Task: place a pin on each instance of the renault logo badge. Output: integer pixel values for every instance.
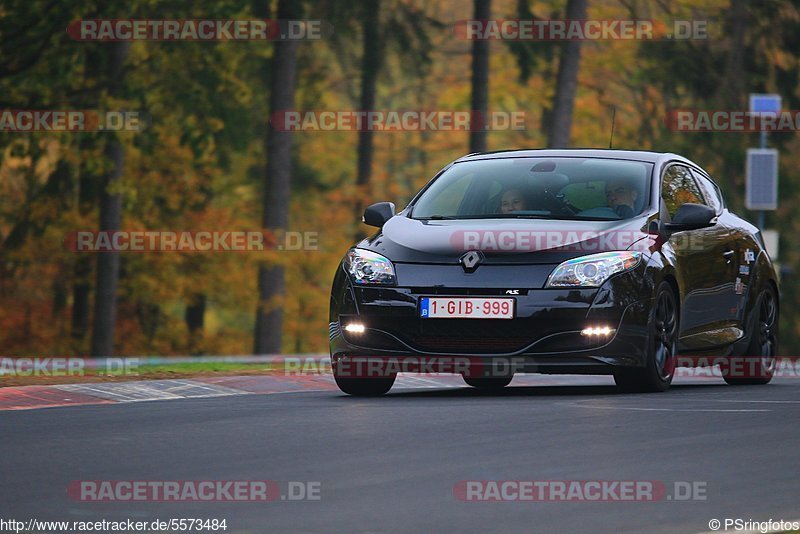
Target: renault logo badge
(471, 260)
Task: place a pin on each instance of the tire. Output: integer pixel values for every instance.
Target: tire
(495, 383)
(760, 359)
(365, 387)
(361, 380)
(659, 368)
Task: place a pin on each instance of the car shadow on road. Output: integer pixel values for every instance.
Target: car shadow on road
(538, 391)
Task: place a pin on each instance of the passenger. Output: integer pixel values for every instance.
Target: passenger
(512, 200)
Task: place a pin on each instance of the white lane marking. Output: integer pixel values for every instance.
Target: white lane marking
(639, 409)
(105, 393)
(714, 398)
(755, 401)
(411, 382)
(144, 391)
(190, 384)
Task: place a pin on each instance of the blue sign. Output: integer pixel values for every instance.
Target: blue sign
(765, 103)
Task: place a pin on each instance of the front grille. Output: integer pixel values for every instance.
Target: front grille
(472, 345)
(464, 291)
(466, 336)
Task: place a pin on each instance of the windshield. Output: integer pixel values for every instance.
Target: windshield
(547, 188)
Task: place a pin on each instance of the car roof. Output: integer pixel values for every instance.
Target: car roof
(631, 155)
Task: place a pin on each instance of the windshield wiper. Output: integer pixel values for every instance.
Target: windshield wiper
(484, 216)
(537, 216)
(515, 216)
(580, 218)
(438, 218)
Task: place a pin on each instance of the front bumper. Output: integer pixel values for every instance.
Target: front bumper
(545, 335)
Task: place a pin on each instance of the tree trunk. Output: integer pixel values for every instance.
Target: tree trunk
(195, 313)
(566, 83)
(107, 276)
(480, 80)
(733, 95)
(81, 292)
(277, 188)
(371, 60)
(732, 90)
(105, 299)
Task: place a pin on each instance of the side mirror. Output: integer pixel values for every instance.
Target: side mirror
(691, 217)
(378, 214)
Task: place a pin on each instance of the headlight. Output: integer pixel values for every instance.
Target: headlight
(592, 271)
(369, 267)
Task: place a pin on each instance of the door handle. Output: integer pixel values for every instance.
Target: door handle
(728, 255)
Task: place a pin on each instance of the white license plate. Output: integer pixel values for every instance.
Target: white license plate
(466, 308)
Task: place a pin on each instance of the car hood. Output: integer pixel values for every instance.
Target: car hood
(504, 241)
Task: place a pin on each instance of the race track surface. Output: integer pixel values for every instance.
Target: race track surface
(394, 464)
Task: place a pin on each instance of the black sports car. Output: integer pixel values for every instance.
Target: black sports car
(556, 261)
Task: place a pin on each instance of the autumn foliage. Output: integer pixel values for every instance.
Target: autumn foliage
(199, 162)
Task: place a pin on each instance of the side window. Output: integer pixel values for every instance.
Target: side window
(678, 188)
(710, 191)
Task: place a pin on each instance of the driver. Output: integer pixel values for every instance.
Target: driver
(621, 197)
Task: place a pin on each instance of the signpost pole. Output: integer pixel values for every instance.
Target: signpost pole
(762, 144)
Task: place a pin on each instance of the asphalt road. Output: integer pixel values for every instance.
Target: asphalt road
(390, 464)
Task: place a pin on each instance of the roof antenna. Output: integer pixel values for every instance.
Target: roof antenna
(613, 118)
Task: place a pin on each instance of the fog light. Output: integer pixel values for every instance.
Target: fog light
(600, 331)
(355, 328)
